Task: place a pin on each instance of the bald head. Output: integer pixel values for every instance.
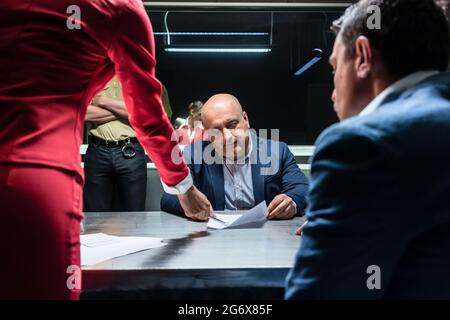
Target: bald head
(220, 107)
(223, 114)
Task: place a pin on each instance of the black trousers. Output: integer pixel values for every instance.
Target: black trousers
(108, 172)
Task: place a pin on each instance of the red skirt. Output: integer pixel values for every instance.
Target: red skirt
(40, 212)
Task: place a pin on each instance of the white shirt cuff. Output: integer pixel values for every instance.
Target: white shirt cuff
(295, 206)
(181, 187)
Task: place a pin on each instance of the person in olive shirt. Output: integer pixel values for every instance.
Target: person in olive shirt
(114, 158)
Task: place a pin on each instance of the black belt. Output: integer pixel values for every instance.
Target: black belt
(112, 143)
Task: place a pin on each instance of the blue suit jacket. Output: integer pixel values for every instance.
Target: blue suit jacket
(286, 177)
(380, 196)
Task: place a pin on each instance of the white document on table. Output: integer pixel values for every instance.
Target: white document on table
(99, 247)
(253, 218)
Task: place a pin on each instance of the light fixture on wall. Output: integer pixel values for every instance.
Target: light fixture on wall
(219, 50)
(253, 34)
(197, 45)
(317, 55)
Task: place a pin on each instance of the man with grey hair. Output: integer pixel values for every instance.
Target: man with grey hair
(379, 216)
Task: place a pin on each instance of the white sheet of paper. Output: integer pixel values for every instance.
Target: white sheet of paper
(253, 218)
(99, 247)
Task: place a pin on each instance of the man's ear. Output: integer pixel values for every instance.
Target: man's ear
(364, 57)
(244, 114)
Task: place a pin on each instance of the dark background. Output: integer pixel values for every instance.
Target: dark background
(300, 107)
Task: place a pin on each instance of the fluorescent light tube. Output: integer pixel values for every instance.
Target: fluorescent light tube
(307, 66)
(220, 50)
(317, 55)
(211, 33)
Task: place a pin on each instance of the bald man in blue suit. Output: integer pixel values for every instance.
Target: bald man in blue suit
(242, 169)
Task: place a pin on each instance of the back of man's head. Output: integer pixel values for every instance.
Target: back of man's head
(414, 34)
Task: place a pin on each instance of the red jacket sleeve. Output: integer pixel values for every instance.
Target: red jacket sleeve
(132, 52)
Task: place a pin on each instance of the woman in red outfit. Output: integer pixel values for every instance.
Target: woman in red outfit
(52, 63)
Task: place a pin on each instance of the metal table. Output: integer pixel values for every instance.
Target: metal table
(194, 257)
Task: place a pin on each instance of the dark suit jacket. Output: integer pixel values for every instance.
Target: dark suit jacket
(380, 196)
(280, 174)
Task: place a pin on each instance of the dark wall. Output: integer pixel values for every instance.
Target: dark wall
(264, 83)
